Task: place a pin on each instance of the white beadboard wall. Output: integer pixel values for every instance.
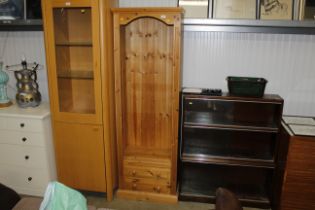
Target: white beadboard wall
(31, 46)
(286, 61)
(148, 3)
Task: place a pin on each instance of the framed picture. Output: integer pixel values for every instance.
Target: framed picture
(196, 8)
(307, 10)
(11, 9)
(237, 9)
(276, 9)
(296, 9)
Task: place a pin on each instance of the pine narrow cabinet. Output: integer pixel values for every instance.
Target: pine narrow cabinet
(78, 51)
(147, 65)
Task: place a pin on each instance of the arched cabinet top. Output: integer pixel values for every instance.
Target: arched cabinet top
(168, 15)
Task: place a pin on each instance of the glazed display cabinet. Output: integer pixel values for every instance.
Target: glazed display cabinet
(78, 85)
(298, 189)
(147, 65)
(74, 39)
(229, 142)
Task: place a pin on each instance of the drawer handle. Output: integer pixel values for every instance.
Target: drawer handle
(22, 125)
(133, 173)
(134, 186)
(26, 157)
(157, 189)
(29, 179)
(24, 139)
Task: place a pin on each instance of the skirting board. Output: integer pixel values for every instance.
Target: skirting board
(147, 196)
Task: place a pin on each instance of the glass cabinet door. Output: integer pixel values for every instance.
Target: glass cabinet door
(74, 59)
(76, 73)
(209, 112)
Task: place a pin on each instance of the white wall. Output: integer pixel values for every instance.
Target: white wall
(286, 61)
(30, 45)
(148, 3)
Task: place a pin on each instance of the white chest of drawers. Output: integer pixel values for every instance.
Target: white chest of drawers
(27, 161)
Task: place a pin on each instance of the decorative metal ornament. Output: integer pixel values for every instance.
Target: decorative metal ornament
(4, 78)
(27, 94)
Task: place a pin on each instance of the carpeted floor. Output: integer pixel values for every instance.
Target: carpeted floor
(99, 201)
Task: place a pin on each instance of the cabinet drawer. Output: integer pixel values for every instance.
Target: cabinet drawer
(22, 178)
(229, 143)
(24, 124)
(231, 112)
(146, 162)
(148, 185)
(22, 156)
(148, 172)
(21, 138)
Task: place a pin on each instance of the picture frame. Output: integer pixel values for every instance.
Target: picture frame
(234, 9)
(276, 9)
(12, 9)
(306, 10)
(196, 8)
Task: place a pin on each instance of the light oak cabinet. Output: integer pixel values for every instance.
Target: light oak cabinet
(79, 63)
(147, 66)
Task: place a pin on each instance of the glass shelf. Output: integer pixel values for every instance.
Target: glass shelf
(231, 113)
(249, 184)
(227, 143)
(76, 43)
(76, 74)
(227, 161)
(250, 26)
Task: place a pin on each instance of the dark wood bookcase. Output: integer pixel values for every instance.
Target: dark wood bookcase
(229, 142)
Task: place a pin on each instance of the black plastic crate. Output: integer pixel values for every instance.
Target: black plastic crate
(246, 86)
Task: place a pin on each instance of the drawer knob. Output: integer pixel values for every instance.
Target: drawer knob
(26, 157)
(22, 125)
(29, 179)
(134, 186)
(157, 189)
(133, 173)
(24, 139)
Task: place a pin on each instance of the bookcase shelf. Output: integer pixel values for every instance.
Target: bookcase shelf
(229, 142)
(218, 160)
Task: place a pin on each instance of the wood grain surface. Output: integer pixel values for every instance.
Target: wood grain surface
(298, 191)
(147, 56)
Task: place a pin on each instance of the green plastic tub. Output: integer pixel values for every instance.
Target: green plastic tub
(246, 86)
